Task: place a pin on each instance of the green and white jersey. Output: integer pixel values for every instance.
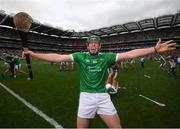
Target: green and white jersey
(162, 60)
(16, 60)
(93, 70)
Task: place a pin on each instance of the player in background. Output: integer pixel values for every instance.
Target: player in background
(112, 84)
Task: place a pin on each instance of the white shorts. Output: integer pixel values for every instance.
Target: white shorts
(92, 103)
(6, 65)
(17, 66)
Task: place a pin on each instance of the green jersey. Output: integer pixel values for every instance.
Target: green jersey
(93, 70)
(162, 60)
(16, 60)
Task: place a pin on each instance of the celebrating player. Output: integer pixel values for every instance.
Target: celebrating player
(93, 74)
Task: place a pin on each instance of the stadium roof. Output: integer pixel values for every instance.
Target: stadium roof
(165, 21)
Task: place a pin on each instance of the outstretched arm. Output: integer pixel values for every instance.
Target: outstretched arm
(160, 47)
(52, 57)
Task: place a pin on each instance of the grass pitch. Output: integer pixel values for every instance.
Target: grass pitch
(56, 94)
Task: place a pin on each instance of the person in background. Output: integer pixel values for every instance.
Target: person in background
(112, 84)
(173, 65)
(178, 61)
(162, 63)
(9, 63)
(142, 61)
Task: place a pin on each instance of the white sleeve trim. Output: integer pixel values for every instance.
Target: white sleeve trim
(72, 57)
(117, 57)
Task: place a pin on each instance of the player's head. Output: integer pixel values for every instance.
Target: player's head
(93, 44)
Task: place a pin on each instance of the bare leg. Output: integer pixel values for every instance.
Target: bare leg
(112, 121)
(82, 122)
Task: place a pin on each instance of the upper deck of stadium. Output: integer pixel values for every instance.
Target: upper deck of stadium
(165, 21)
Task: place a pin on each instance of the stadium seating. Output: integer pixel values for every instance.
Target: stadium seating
(128, 36)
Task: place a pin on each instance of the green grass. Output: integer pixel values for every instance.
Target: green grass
(56, 94)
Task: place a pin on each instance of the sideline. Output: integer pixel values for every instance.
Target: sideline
(33, 108)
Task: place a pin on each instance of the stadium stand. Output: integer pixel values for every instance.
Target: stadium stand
(128, 36)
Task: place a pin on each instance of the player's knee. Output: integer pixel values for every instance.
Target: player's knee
(82, 122)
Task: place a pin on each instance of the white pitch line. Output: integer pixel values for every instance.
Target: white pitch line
(33, 108)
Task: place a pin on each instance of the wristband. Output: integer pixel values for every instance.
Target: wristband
(155, 51)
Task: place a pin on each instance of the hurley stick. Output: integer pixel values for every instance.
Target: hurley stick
(23, 23)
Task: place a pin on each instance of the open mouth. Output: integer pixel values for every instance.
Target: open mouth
(93, 50)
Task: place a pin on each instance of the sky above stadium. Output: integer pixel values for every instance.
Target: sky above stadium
(84, 15)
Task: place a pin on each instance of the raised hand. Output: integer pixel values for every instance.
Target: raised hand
(165, 46)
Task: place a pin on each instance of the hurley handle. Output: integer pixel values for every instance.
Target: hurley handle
(23, 36)
(28, 61)
(23, 23)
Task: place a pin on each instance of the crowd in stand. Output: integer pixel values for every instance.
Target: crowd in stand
(143, 36)
(118, 43)
(114, 43)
